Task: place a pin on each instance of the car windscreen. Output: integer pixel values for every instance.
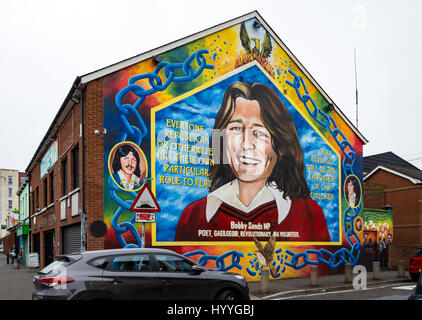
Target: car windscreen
(418, 253)
(56, 266)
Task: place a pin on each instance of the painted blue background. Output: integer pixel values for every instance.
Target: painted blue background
(201, 108)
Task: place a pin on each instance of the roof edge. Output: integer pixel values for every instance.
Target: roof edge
(177, 43)
(44, 141)
(413, 180)
(314, 82)
(164, 48)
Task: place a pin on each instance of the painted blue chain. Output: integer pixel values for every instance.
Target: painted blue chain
(139, 131)
(310, 256)
(334, 260)
(219, 260)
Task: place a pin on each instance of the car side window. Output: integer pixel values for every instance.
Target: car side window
(131, 263)
(170, 263)
(100, 263)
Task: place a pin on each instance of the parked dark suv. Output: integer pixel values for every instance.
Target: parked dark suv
(135, 274)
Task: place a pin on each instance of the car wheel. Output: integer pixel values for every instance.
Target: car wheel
(227, 295)
(414, 276)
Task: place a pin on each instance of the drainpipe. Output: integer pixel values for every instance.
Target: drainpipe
(83, 213)
(29, 212)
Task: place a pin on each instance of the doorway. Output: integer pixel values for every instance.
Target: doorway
(36, 248)
(48, 247)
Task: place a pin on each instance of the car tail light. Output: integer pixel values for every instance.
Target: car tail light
(57, 280)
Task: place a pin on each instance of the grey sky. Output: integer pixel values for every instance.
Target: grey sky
(46, 44)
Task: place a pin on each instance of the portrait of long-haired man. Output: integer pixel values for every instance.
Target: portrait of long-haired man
(258, 178)
(352, 191)
(128, 168)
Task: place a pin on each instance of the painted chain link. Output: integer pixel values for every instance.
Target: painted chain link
(219, 260)
(310, 256)
(334, 260)
(139, 131)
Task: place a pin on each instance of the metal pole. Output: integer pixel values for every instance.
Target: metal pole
(356, 83)
(143, 234)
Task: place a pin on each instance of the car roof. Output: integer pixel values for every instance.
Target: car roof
(123, 251)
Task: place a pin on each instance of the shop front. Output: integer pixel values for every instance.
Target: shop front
(23, 238)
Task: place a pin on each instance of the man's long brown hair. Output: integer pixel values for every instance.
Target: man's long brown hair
(289, 171)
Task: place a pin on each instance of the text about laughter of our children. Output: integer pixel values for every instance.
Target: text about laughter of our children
(322, 175)
(183, 149)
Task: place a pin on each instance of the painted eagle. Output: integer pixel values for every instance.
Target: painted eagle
(264, 51)
(265, 254)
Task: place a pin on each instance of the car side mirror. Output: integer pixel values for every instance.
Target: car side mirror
(197, 269)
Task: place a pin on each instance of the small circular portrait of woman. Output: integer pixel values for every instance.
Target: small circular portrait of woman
(128, 166)
(352, 191)
(359, 224)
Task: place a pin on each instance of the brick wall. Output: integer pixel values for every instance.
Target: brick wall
(9, 243)
(398, 252)
(48, 217)
(94, 160)
(48, 214)
(406, 199)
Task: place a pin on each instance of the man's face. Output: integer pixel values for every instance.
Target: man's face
(128, 163)
(248, 143)
(350, 188)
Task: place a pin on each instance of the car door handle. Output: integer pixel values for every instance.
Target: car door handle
(117, 281)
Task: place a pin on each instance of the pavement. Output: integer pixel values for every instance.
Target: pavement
(15, 284)
(283, 288)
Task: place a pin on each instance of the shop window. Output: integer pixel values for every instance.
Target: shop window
(45, 192)
(75, 166)
(32, 197)
(37, 199)
(64, 177)
(52, 187)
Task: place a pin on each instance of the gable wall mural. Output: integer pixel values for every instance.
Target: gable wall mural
(238, 147)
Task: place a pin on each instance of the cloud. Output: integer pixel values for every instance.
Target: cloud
(308, 138)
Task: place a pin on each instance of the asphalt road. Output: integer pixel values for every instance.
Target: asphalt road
(391, 291)
(15, 284)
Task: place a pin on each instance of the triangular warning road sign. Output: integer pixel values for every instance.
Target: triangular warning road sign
(145, 201)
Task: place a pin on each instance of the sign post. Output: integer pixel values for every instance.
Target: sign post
(145, 206)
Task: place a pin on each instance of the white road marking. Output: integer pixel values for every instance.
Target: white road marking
(334, 292)
(405, 288)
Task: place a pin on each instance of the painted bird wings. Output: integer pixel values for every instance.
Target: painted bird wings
(244, 38)
(267, 252)
(266, 46)
(258, 245)
(269, 249)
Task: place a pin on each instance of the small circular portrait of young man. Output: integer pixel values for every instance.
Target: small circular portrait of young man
(352, 191)
(128, 166)
(359, 224)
